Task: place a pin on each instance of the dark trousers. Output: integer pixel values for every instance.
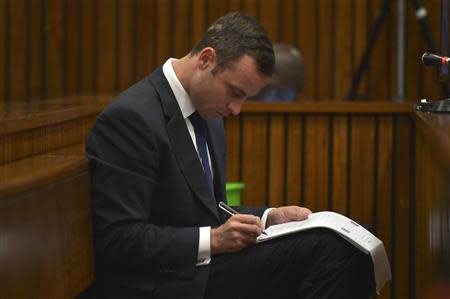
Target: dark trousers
(311, 264)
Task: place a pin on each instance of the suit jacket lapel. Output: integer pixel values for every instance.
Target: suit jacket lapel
(182, 146)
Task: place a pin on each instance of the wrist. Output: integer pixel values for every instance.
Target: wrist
(214, 241)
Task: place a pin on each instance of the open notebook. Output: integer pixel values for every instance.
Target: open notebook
(348, 229)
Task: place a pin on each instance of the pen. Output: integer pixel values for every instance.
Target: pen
(231, 211)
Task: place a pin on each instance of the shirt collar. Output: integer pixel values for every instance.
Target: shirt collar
(183, 99)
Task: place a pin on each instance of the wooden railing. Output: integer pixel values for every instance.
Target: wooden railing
(45, 209)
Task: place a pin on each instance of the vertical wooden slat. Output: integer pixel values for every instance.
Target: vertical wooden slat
(378, 72)
(17, 51)
(384, 189)
(307, 41)
(106, 47)
(181, 34)
(254, 159)
(276, 161)
(362, 170)
(216, 9)
(391, 76)
(403, 137)
(163, 32)
(294, 158)
(234, 5)
(268, 16)
(287, 21)
(54, 47)
(340, 164)
(126, 45)
(88, 45)
(72, 47)
(35, 82)
(360, 40)
(233, 129)
(316, 162)
(342, 75)
(3, 73)
(145, 47)
(324, 58)
(198, 14)
(249, 7)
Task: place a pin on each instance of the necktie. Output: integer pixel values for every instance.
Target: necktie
(199, 124)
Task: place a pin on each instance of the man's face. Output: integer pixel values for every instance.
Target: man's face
(223, 93)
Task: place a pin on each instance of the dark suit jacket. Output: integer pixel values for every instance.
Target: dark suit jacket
(150, 194)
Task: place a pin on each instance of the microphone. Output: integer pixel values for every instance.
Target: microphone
(433, 59)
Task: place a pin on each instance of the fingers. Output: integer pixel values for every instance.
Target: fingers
(300, 213)
(237, 233)
(245, 224)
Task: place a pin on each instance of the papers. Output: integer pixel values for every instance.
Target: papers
(348, 229)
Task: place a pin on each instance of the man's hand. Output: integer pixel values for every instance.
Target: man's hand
(234, 235)
(286, 214)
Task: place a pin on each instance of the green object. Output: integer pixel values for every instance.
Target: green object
(234, 191)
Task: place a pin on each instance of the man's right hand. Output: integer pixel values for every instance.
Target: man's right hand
(238, 232)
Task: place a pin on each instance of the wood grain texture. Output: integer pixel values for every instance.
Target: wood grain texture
(431, 207)
(362, 169)
(316, 162)
(106, 47)
(254, 159)
(46, 236)
(277, 160)
(233, 126)
(126, 38)
(383, 222)
(146, 49)
(64, 47)
(72, 47)
(294, 159)
(17, 71)
(88, 45)
(340, 164)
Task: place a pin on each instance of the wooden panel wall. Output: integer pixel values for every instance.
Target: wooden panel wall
(432, 205)
(51, 48)
(355, 161)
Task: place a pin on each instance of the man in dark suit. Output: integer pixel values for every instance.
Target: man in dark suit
(158, 157)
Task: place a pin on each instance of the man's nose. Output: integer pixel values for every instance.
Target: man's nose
(235, 107)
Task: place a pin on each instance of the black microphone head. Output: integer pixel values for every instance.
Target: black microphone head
(433, 59)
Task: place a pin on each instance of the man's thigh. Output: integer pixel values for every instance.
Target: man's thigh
(311, 264)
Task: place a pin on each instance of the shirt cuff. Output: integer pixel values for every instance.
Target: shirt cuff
(264, 217)
(204, 246)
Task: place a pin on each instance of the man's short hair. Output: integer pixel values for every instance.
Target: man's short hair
(235, 35)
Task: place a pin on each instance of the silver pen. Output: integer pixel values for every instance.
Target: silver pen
(231, 212)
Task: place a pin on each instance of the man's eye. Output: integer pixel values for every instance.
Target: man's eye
(234, 94)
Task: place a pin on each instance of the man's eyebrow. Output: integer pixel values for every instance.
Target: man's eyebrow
(237, 90)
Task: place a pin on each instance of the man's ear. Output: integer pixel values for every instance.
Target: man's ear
(206, 58)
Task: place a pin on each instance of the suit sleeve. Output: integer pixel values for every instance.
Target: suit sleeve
(125, 158)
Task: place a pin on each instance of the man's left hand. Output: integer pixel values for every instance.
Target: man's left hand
(287, 214)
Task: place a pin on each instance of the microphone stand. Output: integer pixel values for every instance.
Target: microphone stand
(363, 65)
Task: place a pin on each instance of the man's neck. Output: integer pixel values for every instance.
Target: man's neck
(183, 70)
